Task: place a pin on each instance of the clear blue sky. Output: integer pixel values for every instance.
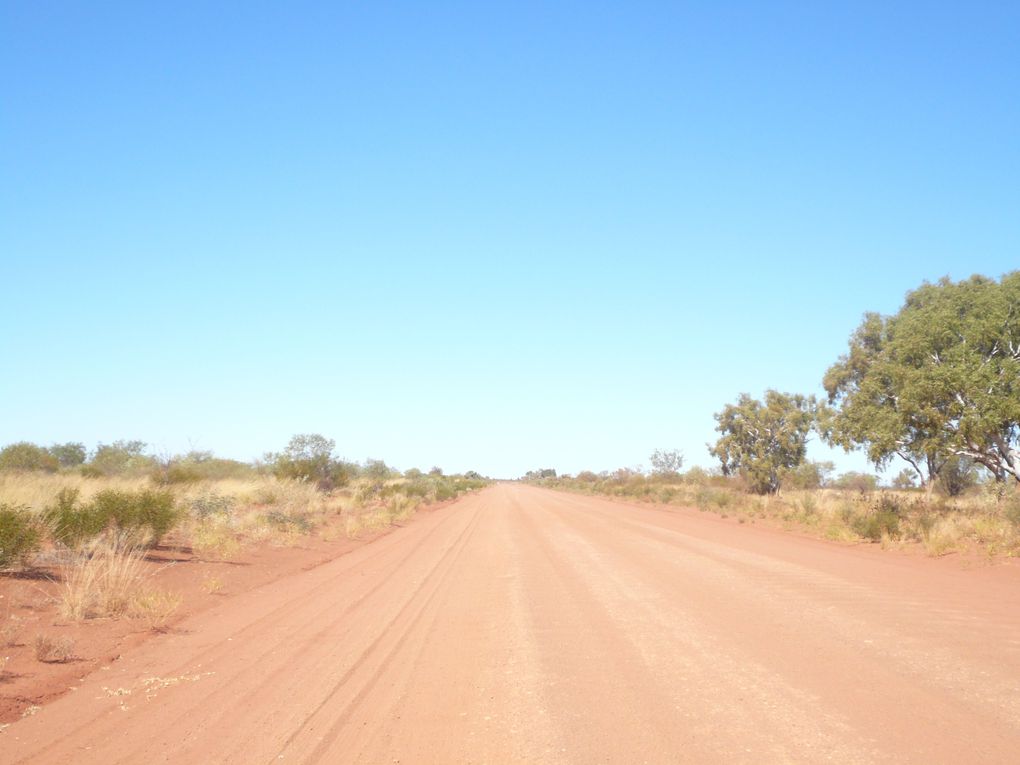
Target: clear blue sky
(483, 236)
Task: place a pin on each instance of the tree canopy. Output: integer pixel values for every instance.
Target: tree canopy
(762, 440)
(939, 379)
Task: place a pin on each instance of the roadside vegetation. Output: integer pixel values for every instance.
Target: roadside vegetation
(933, 390)
(88, 520)
(985, 518)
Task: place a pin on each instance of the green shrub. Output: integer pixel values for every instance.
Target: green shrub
(416, 488)
(121, 457)
(925, 523)
(177, 473)
(69, 455)
(26, 456)
(20, 534)
(703, 499)
(884, 519)
(288, 521)
(1013, 512)
(155, 511)
(444, 491)
(208, 505)
(199, 466)
(74, 524)
(71, 524)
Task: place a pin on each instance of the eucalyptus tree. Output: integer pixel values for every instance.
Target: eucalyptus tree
(762, 440)
(939, 379)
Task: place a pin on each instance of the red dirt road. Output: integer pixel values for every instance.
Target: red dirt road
(523, 625)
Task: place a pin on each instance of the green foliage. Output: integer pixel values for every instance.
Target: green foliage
(20, 535)
(762, 440)
(200, 466)
(854, 481)
(148, 512)
(938, 379)
(1012, 512)
(309, 457)
(121, 457)
(293, 521)
(377, 470)
(155, 511)
(69, 455)
(71, 523)
(539, 475)
(666, 463)
(27, 456)
(957, 475)
(209, 505)
(445, 491)
(697, 476)
(905, 479)
(882, 520)
(809, 475)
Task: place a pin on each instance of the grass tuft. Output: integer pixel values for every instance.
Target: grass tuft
(53, 650)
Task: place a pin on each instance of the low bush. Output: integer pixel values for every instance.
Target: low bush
(883, 519)
(155, 608)
(73, 524)
(20, 535)
(27, 456)
(209, 505)
(292, 521)
(1012, 512)
(147, 514)
(53, 650)
(445, 491)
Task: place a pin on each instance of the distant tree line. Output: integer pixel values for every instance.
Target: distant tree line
(307, 457)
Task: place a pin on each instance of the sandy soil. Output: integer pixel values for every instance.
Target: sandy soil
(28, 608)
(523, 625)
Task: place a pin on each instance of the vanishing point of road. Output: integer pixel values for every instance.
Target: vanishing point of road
(525, 625)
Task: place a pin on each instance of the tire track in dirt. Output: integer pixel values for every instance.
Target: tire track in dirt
(339, 713)
(784, 614)
(523, 625)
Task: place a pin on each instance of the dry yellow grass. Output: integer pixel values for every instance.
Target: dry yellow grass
(10, 629)
(38, 490)
(987, 519)
(155, 608)
(102, 582)
(53, 650)
(213, 585)
(222, 516)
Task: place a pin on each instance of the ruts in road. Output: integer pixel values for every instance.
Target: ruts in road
(525, 625)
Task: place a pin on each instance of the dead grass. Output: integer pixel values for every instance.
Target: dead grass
(213, 585)
(987, 520)
(53, 650)
(155, 608)
(9, 632)
(102, 582)
(215, 538)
